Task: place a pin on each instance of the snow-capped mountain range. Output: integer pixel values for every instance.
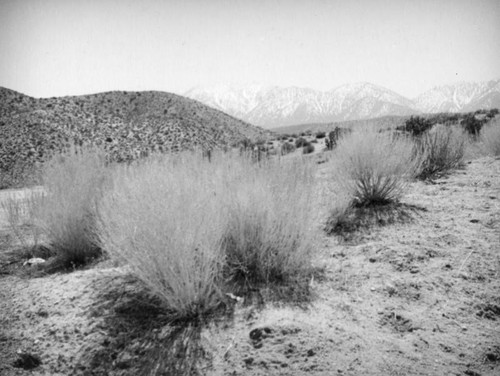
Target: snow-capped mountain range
(272, 106)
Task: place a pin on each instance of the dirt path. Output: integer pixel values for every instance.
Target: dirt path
(421, 298)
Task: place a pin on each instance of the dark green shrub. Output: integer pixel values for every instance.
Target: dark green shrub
(300, 142)
(472, 124)
(335, 135)
(320, 135)
(287, 148)
(440, 151)
(308, 148)
(416, 125)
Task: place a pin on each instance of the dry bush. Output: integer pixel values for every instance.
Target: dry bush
(164, 217)
(270, 230)
(74, 183)
(22, 213)
(440, 150)
(374, 168)
(371, 171)
(490, 138)
(184, 224)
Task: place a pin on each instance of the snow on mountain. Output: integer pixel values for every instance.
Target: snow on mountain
(234, 100)
(464, 96)
(364, 100)
(277, 106)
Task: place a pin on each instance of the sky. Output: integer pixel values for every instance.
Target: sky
(65, 47)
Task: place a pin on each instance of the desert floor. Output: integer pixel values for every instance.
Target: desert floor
(414, 298)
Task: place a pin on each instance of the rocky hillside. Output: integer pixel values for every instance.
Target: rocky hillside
(127, 124)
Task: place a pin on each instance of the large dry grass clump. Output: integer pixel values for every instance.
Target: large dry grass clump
(370, 170)
(186, 225)
(440, 150)
(60, 216)
(22, 216)
(374, 168)
(164, 218)
(270, 228)
(74, 183)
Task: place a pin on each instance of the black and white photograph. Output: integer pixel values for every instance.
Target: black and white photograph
(249, 187)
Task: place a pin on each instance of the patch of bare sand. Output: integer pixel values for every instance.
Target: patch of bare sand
(420, 298)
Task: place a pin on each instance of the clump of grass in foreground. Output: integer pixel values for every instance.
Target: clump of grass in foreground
(374, 168)
(185, 225)
(371, 169)
(22, 215)
(440, 150)
(165, 218)
(270, 231)
(490, 138)
(74, 182)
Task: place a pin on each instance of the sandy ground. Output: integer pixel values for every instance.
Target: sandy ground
(416, 298)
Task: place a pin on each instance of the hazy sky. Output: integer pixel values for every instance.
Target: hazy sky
(65, 47)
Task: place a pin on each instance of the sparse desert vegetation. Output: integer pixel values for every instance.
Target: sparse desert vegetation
(490, 138)
(183, 242)
(372, 171)
(165, 219)
(440, 150)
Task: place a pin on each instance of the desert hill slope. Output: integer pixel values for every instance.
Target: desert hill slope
(127, 124)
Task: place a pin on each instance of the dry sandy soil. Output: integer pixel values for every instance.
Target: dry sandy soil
(414, 298)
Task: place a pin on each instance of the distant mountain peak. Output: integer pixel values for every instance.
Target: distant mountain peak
(274, 106)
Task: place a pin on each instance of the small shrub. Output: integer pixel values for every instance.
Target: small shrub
(472, 125)
(270, 228)
(440, 151)
(300, 142)
(334, 137)
(490, 138)
(287, 148)
(165, 219)
(74, 182)
(22, 213)
(374, 168)
(320, 134)
(308, 148)
(416, 125)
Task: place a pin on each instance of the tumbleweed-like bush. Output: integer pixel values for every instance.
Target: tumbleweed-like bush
(187, 225)
(374, 168)
(440, 150)
(490, 138)
(370, 173)
(164, 218)
(73, 183)
(270, 230)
